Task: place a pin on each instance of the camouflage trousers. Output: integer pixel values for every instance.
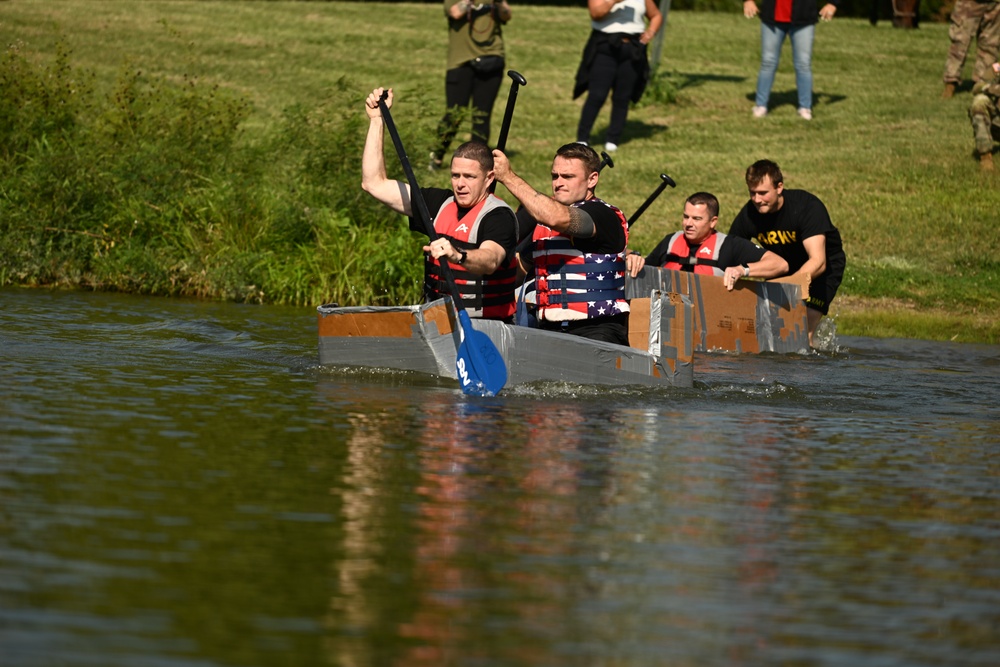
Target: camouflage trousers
(984, 113)
(972, 19)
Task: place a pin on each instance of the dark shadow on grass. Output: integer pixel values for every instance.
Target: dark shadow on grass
(683, 80)
(791, 98)
(634, 131)
(964, 86)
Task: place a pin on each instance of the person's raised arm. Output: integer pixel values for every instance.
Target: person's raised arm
(567, 220)
(394, 194)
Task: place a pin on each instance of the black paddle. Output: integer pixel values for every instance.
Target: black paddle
(481, 370)
(665, 181)
(516, 82)
(605, 161)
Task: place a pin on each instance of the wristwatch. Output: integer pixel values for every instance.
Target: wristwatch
(462, 257)
(746, 270)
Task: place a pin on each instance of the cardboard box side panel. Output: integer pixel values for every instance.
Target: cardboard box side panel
(726, 320)
(677, 344)
(757, 316)
(638, 324)
(676, 327)
(398, 324)
(440, 314)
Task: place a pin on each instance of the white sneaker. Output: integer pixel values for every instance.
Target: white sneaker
(806, 113)
(581, 142)
(610, 147)
(759, 112)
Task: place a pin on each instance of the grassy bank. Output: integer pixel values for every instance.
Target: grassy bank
(213, 148)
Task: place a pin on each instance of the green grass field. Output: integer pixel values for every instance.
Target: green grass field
(892, 161)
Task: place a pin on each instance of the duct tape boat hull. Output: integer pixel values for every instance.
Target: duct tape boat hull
(425, 338)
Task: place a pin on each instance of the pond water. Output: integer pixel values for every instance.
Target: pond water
(182, 485)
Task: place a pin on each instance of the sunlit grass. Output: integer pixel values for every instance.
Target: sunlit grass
(891, 160)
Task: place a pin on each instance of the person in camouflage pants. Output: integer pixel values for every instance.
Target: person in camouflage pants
(972, 18)
(984, 112)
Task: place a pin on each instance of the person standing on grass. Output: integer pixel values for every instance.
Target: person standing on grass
(476, 61)
(578, 247)
(700, 249)
(615, 61)
(795, 19)
(795, 225)
(984, 112)
(971, 18)
(477, 231)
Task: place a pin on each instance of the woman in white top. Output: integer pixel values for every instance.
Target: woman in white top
(615, 60)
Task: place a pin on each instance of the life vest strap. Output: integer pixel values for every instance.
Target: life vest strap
(564, 298)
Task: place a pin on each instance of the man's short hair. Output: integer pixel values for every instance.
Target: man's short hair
(710, 201)
(761, 168)
(577, 151)
(478, 151)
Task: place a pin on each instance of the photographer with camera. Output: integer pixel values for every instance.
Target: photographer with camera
(476, 62)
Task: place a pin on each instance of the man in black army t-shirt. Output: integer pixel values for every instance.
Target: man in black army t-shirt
(795, 225)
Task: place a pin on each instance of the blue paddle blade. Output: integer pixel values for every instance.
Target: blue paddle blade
(480, 367)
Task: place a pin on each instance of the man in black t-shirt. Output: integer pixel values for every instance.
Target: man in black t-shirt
(578, 245)
(477, 232)
(795, 225)
(701, 249)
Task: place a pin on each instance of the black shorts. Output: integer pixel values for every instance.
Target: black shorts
(823, 289)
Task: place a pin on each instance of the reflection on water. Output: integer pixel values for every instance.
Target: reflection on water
(180, 484)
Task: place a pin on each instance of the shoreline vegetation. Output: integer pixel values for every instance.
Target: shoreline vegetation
(212, 149)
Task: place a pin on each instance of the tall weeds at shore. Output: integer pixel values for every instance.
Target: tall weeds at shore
(152, 189)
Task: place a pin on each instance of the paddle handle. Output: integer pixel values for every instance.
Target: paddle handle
(606, 161)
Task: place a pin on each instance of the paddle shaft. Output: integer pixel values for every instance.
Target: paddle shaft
(664, 182)
(417, 199)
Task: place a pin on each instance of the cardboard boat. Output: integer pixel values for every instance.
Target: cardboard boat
(673, 315)
(425, 339)
(757, 316)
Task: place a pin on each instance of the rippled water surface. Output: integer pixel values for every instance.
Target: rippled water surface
(182, 485)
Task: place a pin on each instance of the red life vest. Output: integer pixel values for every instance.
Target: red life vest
(706, 259)
(574, 285)
(490, 297)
